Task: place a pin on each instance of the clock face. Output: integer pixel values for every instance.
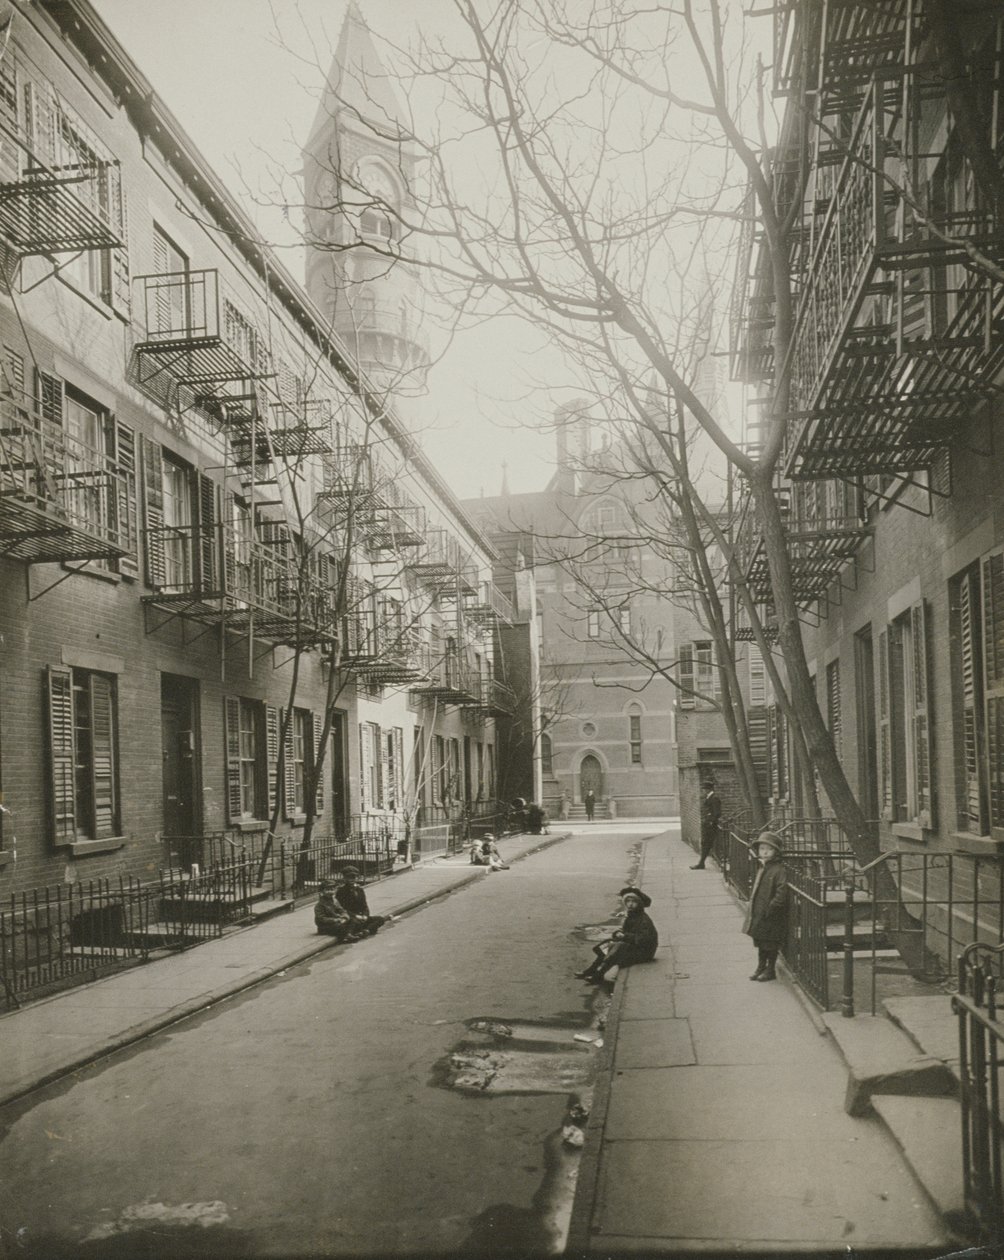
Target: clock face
(376, 180)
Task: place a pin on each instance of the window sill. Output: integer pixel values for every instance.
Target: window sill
(84, 848)
(5, 856)
(252, 824)
(909, 831)
(978, 846)
(297, 820)
(89, 570)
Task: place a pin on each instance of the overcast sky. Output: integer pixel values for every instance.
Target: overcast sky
(247, 96)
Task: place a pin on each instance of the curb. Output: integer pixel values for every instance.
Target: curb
(192, 1006)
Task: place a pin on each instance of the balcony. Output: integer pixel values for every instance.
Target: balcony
(825, 525)
(895, 342)
(395, 656)
(489, 606)
(440, 562)
(493, 697)
(60, 189)
(59, 498)
(222, 576)
(448, 678)
(196, 334)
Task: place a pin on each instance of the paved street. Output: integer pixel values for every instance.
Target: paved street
(314, 1114)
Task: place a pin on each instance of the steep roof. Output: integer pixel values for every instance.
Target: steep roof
(359, 85)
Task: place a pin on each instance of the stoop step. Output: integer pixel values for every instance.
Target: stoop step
(931, 1025)
(269, 906)
(881, 1059)
(928, 1131)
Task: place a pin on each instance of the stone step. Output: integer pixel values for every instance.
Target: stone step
(928, 1131)
(881, 1059)
(265, 907)
(930, 1024)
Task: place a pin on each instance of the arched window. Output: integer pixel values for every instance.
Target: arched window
(634, 732)
(376, 223)
(545, 755)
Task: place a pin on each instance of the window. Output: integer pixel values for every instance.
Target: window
(546, 766)
(83, 754)
(177, 491)
(905, 788)
(252, 758)
(376, 223)
(593, 623)
(370, 765)
(623, 619)
(708, 680)
(634, 734)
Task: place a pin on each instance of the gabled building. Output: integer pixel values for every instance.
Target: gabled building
(203, 490)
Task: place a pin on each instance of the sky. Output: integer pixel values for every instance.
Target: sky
(241, 77)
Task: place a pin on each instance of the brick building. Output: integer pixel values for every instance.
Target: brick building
(893, 484)
(201, 491)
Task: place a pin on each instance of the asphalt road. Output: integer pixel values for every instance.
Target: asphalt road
(404, 1094)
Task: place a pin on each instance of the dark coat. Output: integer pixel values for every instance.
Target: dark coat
(768, 911)
(640, 938)
(711, 810)
(329, 917)
(352, 899)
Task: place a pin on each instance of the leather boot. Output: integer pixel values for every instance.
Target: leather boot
(769, 972)
(761, 965)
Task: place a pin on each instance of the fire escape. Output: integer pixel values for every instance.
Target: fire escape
(896, 338)
(490, 609)
(243, 568)
(64, 496)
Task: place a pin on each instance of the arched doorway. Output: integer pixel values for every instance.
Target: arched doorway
(590, 776)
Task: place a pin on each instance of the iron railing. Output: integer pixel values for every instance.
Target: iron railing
(981, 1034)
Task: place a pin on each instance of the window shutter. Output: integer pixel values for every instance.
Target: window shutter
(288, 767)
(398, 801)
(118, 290)
(756, 725)
(273, 719)
(922, 729)
(775, 781)
(970, 804)
(318, 766)
(364, 766)
(757, 676)
(103, 785)
(40, 124)
(153, 512)
(62, 758)
(49, 396)
(232, 744)
(125, 452)
(685, 672)
(833, 703)
(885, 728)
(206, 553)
(993, 689)
(384, 784)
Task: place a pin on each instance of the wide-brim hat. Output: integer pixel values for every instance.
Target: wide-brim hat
(644, 898)
(770, 838)
(350, 870)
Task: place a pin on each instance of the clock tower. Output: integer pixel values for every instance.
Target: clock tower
(359, 173)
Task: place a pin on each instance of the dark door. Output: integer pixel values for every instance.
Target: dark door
(339, 790)
(178, 747)
(864, 697)
(590, 776)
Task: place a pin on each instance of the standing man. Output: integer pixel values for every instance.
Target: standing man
(711, 812)
(589, 800)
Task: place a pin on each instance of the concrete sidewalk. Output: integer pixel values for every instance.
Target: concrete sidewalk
(719, 1123)
(53, 1037)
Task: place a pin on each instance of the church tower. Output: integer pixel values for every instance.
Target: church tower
(359, 175)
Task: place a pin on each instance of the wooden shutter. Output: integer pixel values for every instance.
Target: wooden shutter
(117, 293)
(921, 716)
(206, 552)
(289, 766)
(10, 122)
(993, 686)
(62, 754)
(884, 728)
(756, 725)
(232, 747)
(125, 507)
(365, 762)
(103, 778)
(317, 766)
(273, 720)
(153, 512)
(49, 396)
(384, 786)
(833, 703)
(685, 672)
(757, 677)
(971, 808)
(40, 123)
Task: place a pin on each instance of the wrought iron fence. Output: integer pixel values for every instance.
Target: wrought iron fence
(71, 933)
(981, 1034)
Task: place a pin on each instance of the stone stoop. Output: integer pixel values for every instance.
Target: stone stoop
(928, 1132)
(902, 1067)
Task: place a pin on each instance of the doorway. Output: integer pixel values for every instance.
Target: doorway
(182, 807)
(590, 777)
